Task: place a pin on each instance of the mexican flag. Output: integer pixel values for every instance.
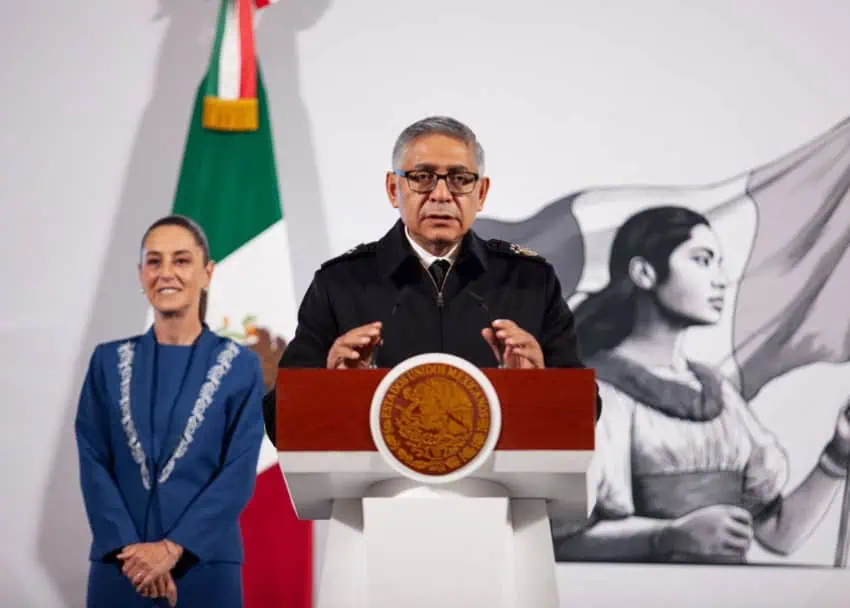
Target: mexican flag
(228, 184)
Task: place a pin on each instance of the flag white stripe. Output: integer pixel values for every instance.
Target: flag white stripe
(238, 291)
(229, 68)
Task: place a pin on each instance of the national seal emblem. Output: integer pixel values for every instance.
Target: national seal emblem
(433, 417)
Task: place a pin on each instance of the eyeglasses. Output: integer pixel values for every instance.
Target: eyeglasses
(424, 180)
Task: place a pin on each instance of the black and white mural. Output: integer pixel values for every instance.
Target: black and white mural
(714, 316)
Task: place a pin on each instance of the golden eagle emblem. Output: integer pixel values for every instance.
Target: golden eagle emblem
(435, 418)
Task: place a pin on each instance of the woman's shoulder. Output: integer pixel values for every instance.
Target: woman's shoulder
(616, 399)
(239, 358)
(239, 353)
(725, 383)
(115, 349)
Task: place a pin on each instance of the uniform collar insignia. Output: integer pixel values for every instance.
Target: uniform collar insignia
(520, 250)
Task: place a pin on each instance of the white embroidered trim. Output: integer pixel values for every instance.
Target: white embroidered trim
(125, 371)
(208, 391)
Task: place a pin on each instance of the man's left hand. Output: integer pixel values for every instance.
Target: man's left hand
(269, 350)
(519, 349)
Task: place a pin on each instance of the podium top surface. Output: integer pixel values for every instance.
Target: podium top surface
(322, 410)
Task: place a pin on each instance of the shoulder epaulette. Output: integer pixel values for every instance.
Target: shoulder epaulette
(512, 249)
(358, 251)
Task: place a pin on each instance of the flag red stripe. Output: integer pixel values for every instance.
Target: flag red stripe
(248, 81)
(278, 569)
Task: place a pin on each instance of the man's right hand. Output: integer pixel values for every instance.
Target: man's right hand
(354, 349)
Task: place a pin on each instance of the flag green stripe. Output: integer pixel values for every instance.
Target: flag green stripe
(215, 57)
(228, 181)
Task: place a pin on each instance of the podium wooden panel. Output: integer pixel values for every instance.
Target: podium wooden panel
(482, 540)
(328, 410)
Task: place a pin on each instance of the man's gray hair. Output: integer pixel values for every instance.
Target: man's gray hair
(437, 125)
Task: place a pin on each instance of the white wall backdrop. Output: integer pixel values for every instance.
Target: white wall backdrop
(563, 95)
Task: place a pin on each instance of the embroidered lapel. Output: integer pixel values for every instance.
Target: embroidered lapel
(191, 406)
(131, 388)
(136, 372)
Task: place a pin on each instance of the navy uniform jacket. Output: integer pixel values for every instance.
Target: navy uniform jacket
(385, 281)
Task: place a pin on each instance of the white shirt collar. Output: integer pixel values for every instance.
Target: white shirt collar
(428, 258)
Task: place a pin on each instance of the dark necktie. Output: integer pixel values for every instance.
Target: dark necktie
(438, 270)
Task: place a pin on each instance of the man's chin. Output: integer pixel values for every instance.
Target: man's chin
(442, 235)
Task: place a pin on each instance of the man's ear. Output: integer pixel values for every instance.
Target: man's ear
(483, 189)
(391, 184)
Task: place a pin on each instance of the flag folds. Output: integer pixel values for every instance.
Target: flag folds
(785, 227)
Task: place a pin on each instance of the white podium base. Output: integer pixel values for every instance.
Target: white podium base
(462, 545)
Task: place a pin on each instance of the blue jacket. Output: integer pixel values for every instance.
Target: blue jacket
(181, 468)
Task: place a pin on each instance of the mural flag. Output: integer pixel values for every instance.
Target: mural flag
(786, 225)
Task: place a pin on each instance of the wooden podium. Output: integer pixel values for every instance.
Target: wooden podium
(402, 538)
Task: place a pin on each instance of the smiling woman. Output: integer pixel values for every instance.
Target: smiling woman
(175, 269)
(168, 429)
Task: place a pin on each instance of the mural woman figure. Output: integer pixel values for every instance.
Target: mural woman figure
(168, 429)
(686, 473)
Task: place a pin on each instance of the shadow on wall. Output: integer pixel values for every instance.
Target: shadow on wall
(119, 309)
(298, 172)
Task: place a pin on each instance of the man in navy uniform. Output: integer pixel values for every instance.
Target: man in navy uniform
(431, 284)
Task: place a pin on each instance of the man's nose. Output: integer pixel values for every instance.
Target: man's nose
(441, 191)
